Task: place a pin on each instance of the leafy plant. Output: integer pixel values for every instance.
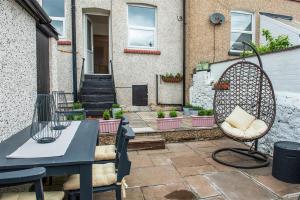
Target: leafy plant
(160, 114)
(273, 44)
(119, 114)
(188, 105)
(197, 108)
(75, 117)
(77, 105)
(205, 112)
(116, 106)
(210, 112)
(106, 115)
(173, 113)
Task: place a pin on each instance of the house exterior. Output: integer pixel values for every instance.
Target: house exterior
(133, 40)
(243, 21)
(25, 69)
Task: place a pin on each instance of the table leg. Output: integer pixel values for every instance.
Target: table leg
(86, 182)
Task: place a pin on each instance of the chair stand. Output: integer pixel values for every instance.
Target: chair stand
(259, 157)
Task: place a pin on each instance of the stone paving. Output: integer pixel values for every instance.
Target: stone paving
(187, 171)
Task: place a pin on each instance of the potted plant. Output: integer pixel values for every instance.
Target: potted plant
(170, 78)
(204, 118)
(186, 109)
(221, 85)
(114, 109)
(202, 66)
(171, 122)
(195, 109)
(108, 125)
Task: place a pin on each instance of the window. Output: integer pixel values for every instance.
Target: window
(56, 10)
(242, 29)
(141, 26)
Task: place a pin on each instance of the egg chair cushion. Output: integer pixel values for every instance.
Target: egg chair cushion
(230, 130)
(240, 119)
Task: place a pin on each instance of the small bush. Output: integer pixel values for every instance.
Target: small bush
(198, 108)
(160, 114)
(119, 114)
(188, 106)
(202, 112)
(106, 115)
(77, 105)
(173, 114)
(210, 112)
(116, 106)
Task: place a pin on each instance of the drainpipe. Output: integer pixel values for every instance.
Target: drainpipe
(184, 51)
(74, 56)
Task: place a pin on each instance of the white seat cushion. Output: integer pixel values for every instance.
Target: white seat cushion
(256, 128)
(31, 196)
(105, 152)
(240, 119)
(103, 174)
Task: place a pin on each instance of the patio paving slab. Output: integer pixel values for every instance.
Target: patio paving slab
(237, 186)
(201, 144)
(172, 191)
(191, 171)
(138, 161)
(188, 161)
(201, 186)
(178, 147)
(157, 175)
(131, 194)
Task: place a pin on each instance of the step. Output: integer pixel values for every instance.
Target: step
(97, 98)
(97, 77)
(94, 91)
(94, 113)
(97, 84)
(97, 105)
(147, 143)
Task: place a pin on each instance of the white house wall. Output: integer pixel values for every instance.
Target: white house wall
(284, 72)
(18, 71)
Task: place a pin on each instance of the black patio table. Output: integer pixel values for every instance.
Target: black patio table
(77, 160)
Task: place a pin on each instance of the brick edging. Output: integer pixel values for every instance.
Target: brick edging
(64, 42)
(142, 51)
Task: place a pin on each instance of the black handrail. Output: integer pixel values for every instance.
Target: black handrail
(81, 75)
(113, 81)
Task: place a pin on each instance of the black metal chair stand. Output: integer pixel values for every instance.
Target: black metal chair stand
(250, 88)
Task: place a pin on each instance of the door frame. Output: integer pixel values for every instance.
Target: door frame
(85, 18)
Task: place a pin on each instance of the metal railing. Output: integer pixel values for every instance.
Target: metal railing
(81, 76)
(113, 81)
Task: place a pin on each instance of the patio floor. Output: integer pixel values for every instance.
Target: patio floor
(187, 171)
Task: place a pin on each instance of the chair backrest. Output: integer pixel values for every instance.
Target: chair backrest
(123, 122)
(33, 175)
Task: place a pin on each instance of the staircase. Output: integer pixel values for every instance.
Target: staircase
(97, 94)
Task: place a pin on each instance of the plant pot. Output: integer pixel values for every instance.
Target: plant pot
(186, 111)
(114, 111)
(193, 112)
(169, 123)
(109, 126)
(203, 121)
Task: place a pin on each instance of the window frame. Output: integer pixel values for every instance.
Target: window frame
(143, 28)
(61, 19)
(252, 32)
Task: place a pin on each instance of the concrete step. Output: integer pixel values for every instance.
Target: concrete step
(96, 91)
(97, 98)
(147, 143)
(97, 105)
(97, 77)
(98, 83)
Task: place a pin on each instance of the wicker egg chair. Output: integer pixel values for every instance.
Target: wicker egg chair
(251, 89)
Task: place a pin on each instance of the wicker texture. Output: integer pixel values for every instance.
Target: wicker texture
(251, 89)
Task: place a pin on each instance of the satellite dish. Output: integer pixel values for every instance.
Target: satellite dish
(217, 18)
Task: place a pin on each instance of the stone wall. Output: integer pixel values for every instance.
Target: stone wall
(17, 68)
(283, 70)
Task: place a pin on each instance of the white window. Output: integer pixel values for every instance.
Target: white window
(242, 29)
(56, 10)
(141, 27)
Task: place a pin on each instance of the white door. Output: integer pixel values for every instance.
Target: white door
(89, 46)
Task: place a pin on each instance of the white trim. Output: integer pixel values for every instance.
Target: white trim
(154, 29)
(252, 32)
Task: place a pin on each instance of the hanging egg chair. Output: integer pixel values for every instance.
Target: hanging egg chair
(245, 110)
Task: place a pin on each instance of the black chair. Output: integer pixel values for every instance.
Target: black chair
(109, 176)
(33, 175)
(107, 153)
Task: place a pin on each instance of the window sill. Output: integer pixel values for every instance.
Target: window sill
(142, 51)
(64, 42)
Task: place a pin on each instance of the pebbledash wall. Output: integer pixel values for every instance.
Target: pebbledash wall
(129, 69)
(284, 72)
(17, 68)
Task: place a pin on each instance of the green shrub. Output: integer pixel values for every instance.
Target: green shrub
(116, 106)
(188, 105)
(77, 105)
(173, 113)
(202, 112)
(119, 114)
(198, 108)
(75, 117)
(160, 114)
(106, 115)
(273, 44)
(210, 112)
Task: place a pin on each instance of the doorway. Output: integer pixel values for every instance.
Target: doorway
(97, 44)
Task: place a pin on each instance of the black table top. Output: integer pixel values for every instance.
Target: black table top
(288, 145)
(80, 151)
